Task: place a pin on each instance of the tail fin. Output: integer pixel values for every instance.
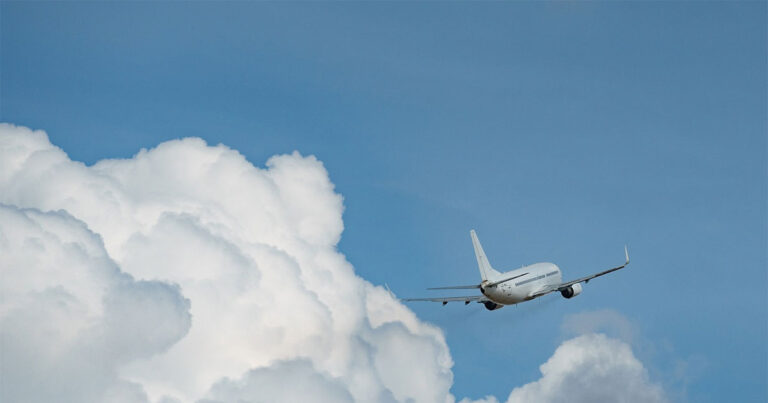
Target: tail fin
(483, 264)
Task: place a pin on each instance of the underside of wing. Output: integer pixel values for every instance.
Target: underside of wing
(545, 291)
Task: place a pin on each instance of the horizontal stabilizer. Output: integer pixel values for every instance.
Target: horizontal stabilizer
(495, 283)
(456, 287)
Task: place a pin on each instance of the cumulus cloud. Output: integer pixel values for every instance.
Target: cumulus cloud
(310, 386)
(186, 273)
(591, 368)
(69, 318)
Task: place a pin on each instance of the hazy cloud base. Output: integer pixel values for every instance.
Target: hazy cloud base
(187, 274)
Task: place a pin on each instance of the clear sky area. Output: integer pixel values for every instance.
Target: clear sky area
(559, 131)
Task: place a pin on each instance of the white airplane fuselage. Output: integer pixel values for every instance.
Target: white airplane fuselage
(540, 275)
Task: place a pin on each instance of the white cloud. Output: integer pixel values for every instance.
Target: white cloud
(69, 318)
(253, 250)
(591, 368)
(186, 273)
(258, 385)
(487, 399)
(605, 321)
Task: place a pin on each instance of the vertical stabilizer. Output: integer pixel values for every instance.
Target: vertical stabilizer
(486, 271)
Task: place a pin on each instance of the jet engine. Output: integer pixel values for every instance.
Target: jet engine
(490, 305)
(571, 291)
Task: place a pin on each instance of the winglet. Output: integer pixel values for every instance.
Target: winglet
(626, 254)
(391, 294)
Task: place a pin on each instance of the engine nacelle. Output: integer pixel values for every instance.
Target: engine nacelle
(571, 291)
(490, 305)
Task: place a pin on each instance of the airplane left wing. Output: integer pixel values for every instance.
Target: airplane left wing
(445, 300)
(562, 286)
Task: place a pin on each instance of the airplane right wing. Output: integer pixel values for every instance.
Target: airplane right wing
(562, 286)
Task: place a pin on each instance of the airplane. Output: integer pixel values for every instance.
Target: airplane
(515, 286)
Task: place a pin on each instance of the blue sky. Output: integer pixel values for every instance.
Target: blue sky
(559, 131)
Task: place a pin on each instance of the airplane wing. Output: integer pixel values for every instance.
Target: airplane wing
(562, 286)
(445, 300)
